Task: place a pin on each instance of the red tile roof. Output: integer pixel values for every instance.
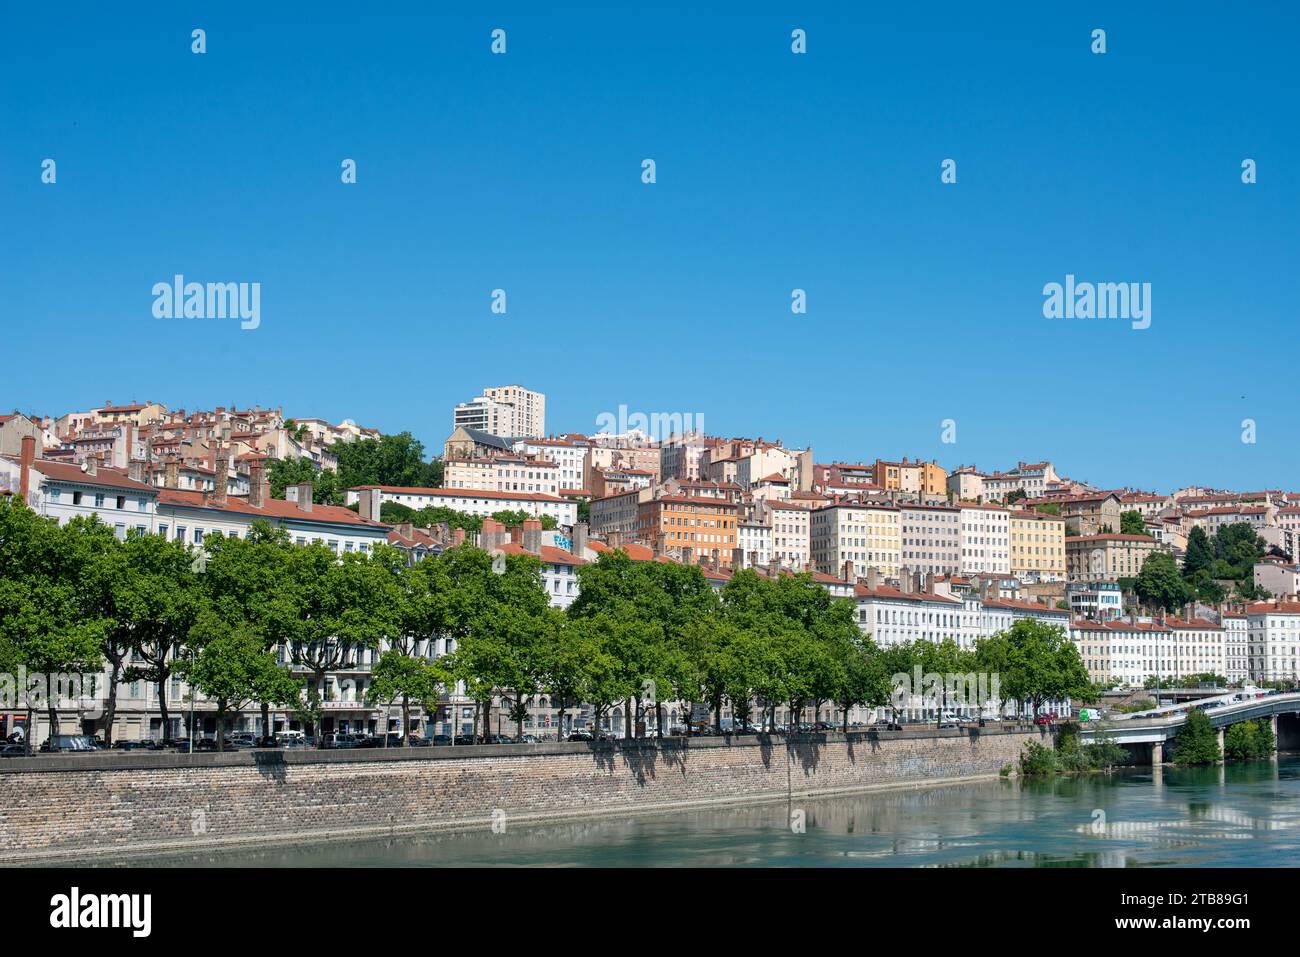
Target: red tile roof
(273, 508)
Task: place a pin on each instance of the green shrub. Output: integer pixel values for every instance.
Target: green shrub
(1249, 739)
(1037, 759)
(1196, 741)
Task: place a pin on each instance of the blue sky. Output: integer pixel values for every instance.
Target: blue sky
(775, 171)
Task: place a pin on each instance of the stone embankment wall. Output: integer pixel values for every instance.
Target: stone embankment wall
(92, 805)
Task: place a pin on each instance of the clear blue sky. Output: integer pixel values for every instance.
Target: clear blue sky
(775, 171)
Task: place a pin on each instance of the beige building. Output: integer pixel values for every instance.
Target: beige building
(1037, 547)
(869, 536)
(1110, 557)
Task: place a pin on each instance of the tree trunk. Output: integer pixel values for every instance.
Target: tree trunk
(266, 719)
(162, 708)
(627, 718)
(221, 725)
(406, 724)
(110, 712)
(559, 730)
(52, 707)
(659, 719)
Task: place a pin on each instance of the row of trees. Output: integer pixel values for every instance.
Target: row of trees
(264, 621)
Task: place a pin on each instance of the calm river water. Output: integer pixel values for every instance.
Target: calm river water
(1240, 814)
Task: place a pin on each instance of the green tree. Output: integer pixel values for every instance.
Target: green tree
(1159, 585)
(232, 668)
(400, 677)
(1132, 523)
(1200, 554)
(1196, 741)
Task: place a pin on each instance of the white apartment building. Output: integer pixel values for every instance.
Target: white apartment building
(869, 536)
(931, 538)
(62, 491)
(505, 474)
(1200, 647)
(507, 411)
(1125, 651)
(754, 540)
(481, 502)
(791, 542)
(1236, 646)
(985, 539)
(570, 458)
(1273, 640)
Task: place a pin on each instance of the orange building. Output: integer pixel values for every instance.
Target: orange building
(689, 529)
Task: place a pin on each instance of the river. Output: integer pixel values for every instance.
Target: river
(1235, 815)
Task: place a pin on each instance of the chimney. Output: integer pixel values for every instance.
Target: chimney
(458, 536)
(257, 490)
(304, 496)
(848, 570)
(580, 532)
(135, 470)
(371, 501)
(222, 477)
(28, 456)
(517, 535)
(492, 535)
(614, 539)
(91, 464)
(172, 473)
(533, 536)
(873, 577)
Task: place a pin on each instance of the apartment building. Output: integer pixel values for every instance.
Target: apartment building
(1273, 640)
(505, 411)
(1037, 543)
(1236, 642)
(1033, 479)
(1110, 557)
(931, 538)
(689, 529)
(867, 535)
(791, 539)
(471, 501)
(985, 539)
(569, 456)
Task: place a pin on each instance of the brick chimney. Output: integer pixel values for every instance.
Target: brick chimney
(27, 457)
(532, 536)
(848, 570)
(91, 465)
(517, 535)
(873, 577)
(172, 473)
(257, 490)
(135, 470)
(458, 536)
(304, 496)
(492, 535)
(221, 478)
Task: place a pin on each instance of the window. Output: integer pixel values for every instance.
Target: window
(198, 536)
(181, 531)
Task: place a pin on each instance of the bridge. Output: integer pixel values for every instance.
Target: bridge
(1148, 733)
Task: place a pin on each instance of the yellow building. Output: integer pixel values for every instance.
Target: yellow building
(1037, 546)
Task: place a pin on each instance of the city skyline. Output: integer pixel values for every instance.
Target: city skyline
(775, 172)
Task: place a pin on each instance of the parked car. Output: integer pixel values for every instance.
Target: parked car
(419, 741)
(245, 739)
(69, 742)
(441, 740)
(340, 740)
(13, 751)
(581, 736)
(132, 746)
(887, 726)
(462, 739)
